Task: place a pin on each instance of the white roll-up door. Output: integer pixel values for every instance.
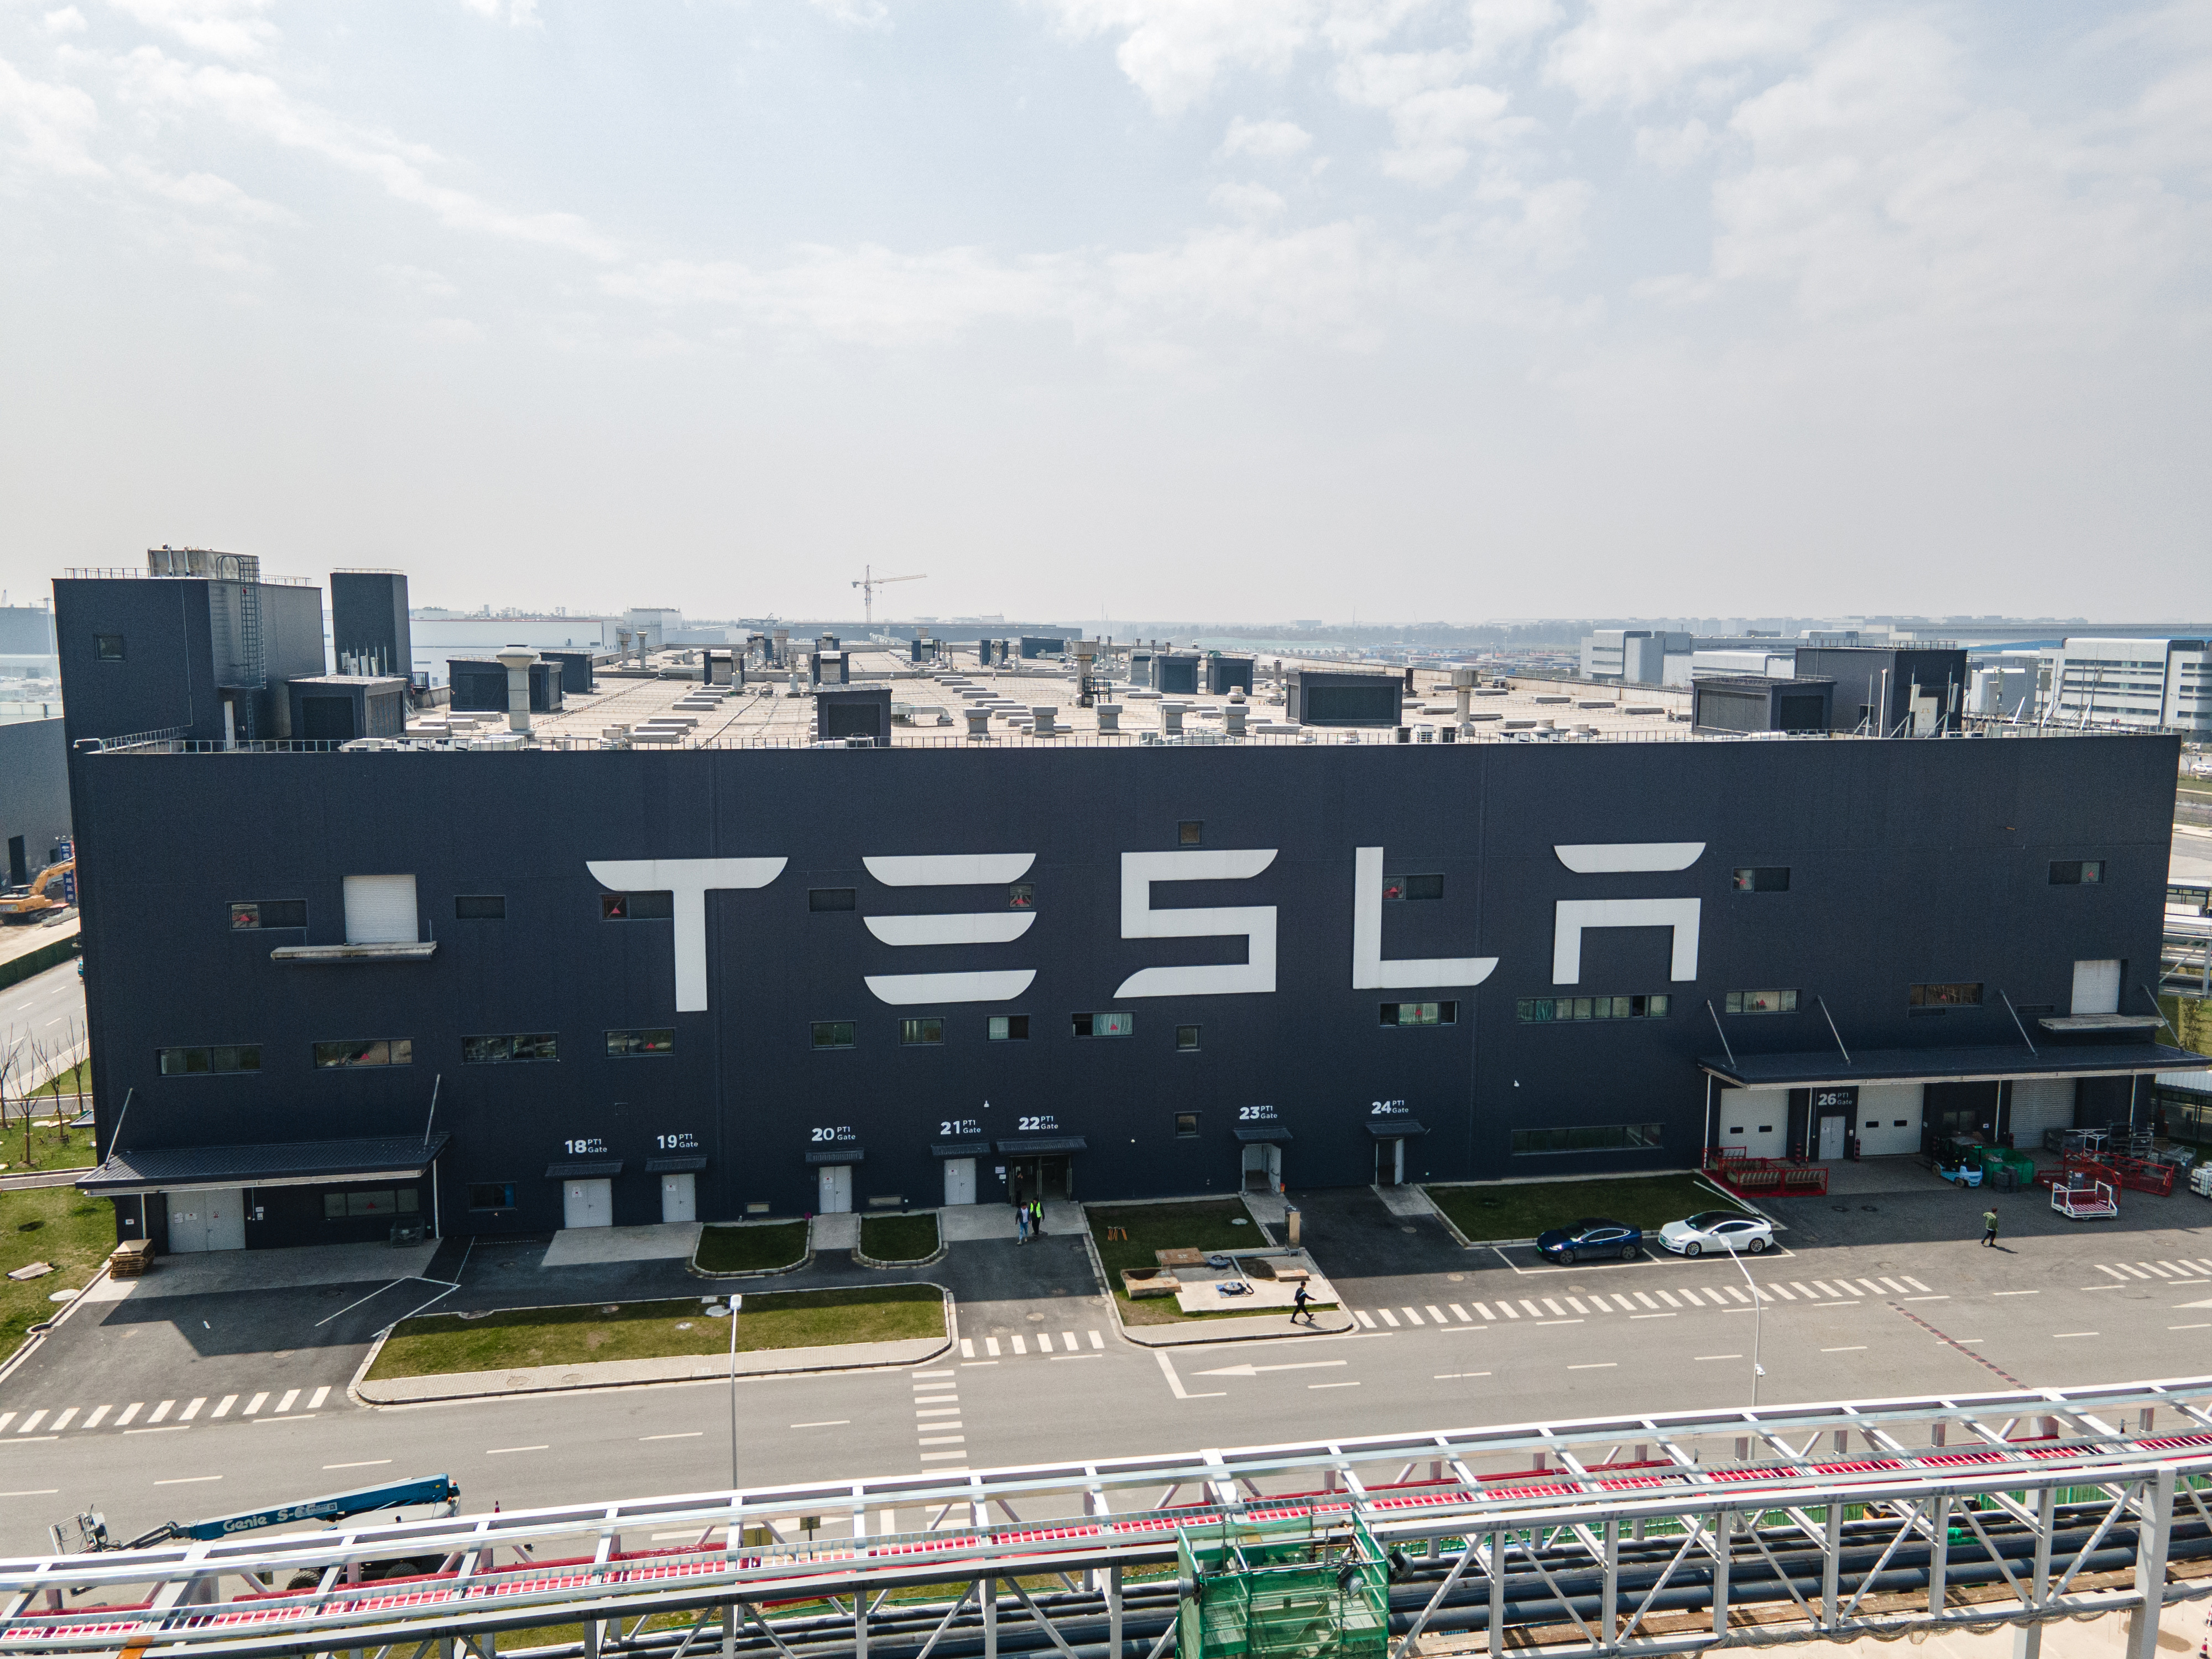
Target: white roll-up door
(380, 911)
(1757, 1120)
(1889, 1120)
(2097, 987)
(2040, 1103)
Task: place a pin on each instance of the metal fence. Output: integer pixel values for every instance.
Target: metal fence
(1656, 1534)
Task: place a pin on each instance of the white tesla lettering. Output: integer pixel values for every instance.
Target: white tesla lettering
(1256, 923)
(689, 880)
(1571, 917)
(1369, 970)
(967, 927)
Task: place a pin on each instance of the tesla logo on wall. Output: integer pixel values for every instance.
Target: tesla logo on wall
(689, 881)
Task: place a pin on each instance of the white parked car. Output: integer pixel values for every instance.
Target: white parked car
(1717, 1230)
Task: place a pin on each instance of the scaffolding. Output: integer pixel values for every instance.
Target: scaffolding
(1300, 1587)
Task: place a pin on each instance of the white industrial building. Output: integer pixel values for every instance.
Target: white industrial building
(2148, 683)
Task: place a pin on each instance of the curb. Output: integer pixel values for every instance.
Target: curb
(353, 1388)
(691, 1262)
(929, 1261)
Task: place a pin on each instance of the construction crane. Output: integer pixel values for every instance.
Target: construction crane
(869, 583)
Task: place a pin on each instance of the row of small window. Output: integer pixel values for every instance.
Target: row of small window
(1589, 1138)
(267, 915)
(927, 1030)
(383, 1200)
(1538, 1011)
(400, 1051)
(1775, 878)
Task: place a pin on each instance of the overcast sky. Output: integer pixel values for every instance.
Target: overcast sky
(1415, 309)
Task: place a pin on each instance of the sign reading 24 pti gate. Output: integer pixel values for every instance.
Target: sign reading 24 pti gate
(689, 881)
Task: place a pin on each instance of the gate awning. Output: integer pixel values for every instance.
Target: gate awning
(286, 1164)
(960, 1149)
(575, 1167)
(1034, 1144)
(1959, 1065)
(675, 1165)
(837, 1152)
(1394, 1128)
(1277, 1132)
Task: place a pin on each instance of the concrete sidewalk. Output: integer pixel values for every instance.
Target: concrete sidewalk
(628, 1373)
(220, 1271)
(578, 1247)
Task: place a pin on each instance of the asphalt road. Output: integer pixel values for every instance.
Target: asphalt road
(1870, 1302)
(47, 1009)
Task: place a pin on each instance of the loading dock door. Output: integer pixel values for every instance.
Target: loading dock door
(679, 1197)
(834, 1189)
(2040, 1103)
(1757, 1120)
(959, 1181)
(2097, 987)
(207, 1221)
(587, 1203)
(1889, 1119)
(380, 911)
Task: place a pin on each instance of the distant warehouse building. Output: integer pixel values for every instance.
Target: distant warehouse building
(2150, 684)
(705, 983)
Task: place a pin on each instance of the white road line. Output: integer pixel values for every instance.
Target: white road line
(943, 1440)
(918, 1375)
(501, 1452)
(1459, 1313)
(2189, 1327)
(1661, 1315)
(284, 1404)
(1597, 1365)
(1449, 1377)
(62, 1421)
(255, 1404)
(1332, 1385)
(2015, 1292)
(824, 1423)
(1720, 1356)
(1389, 1318)
(936, 1457)
(687, 1434)
(1438, 1313)
(1167, 1368)
(130, 1411)
(1854, 1347)
(188, 1480)
(223, 1406)
(2060, 1336)
(161, 1410)
(315, 1400)
(1779, 1291)
(364, 1463)
(32, 1491)
(1412, 1317)
(1097, 1340)
(937, 1411)
(976, 1365)
(99, 1412)
(1910, 1281)
(1928, 1298)
(1360, 1314)
(166, 1428)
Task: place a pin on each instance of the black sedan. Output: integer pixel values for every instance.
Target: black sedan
(1591, 1236)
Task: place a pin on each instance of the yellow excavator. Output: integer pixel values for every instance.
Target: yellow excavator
(41, 898)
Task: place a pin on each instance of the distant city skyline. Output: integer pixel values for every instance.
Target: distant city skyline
(1462, 308)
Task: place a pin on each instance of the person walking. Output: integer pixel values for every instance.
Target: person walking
(1021, 1224)
(1037, 1217)
(1299, 1306)
(1989, 1226)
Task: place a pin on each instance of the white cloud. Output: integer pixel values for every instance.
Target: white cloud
(1435, 117)
(1247, 201)
(854, 14)
(1631, 52)
(1174, 50)
(222, 28)
(1498, 28)
(1265, 141)
(1672, 148)
(257, 103)
(518, 14)
(52, 124)
(65, 20)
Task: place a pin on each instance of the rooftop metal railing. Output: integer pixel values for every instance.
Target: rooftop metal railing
(135, 573)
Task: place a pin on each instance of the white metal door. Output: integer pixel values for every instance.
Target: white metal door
(380, 911)
(834, 1190)
(2097, 987)
(207, 1221)
(1757, 1120)
(1889, 1119)
(679, 1197)
(959, 1181)
(1832, 1136)
(587, 1203)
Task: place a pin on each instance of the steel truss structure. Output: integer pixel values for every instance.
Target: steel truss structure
(1660, 1533)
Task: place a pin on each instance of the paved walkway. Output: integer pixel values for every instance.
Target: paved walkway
(218, 1271)
(664, 1240)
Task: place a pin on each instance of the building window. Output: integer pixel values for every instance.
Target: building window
(1596, 1137)
(1762, 879)
(1759, 1002)
(1185, 1036)
(636, 907)
(1190, 833)
(1021, 896)
(480, 907)
(491, 1195)
(2077, 873)
(831, 898)
(1420, 1013)
(926, 1032)
(833, 1033)
(634, 1044)
(108, 647)
(265, 914)
(345, 1207)
(1186, 1126)
(375, 1051)
(1098, 1025)
(1957, 994)
(503, 1050)
(201, 1062)
(1412, 887)
(1010, 1028)
(1542, 1011)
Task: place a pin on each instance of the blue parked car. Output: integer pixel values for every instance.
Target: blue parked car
(1591, 1236)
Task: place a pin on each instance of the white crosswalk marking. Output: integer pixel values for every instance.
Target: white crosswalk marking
(1021, 1343)
(2114, 1272)
(1669, 1300)
(1067, 1341)
(1483, 1310)
(1509, 1311)
(1438, 1313)
(2134, 1272)
(1460, 1314)
(285, 1404)
(32, 1421)
(1534, 1312)
(98, 1412)
(6, 1417)
(1413, 1318)
(255, 1404)
(1576, 1302)
(223, 1406)
(2184, 1271)
(62, 1421)
(1826, 1289)
(1893, 1284)
(161, 1410)
(967, 1347)
(192, 1410)
(1916, 1284)
(315, 1400)
(1389, 1318)
(129, 1412)
(1646, 1300)
(1097, 1340)
(1689, 1296)
(1360, 1314)
(2155, 1268)
(1557, 1311)
(991, 1346)
(1738, 1294)
(1626, 1306)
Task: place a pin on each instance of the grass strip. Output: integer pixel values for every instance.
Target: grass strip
(898, 1237)
(732, 1249)
(52, 1145)
(48, 1224)
(1526, 1208)
(1203, 1224)
(440, 1344)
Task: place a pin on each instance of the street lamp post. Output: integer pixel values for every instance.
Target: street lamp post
(1757, 1323)
(730, 1313)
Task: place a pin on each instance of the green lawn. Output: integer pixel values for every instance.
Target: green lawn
(1207, 1225)
(52, 1147)
(78, 1080)
(898, 1237)
(752, 1250)
(437, 1345)
(1525, 1209)
(48, 1224)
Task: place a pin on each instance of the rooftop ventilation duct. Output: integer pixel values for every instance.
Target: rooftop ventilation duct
(516, 659)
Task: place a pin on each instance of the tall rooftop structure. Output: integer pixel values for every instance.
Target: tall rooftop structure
(369, 629)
